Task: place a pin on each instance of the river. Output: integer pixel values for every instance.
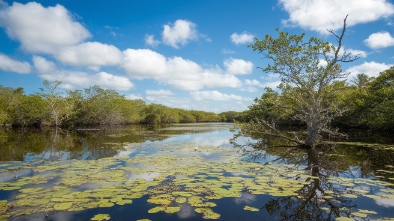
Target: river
(188, 172)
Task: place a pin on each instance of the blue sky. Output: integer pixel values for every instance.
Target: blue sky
(188, 54)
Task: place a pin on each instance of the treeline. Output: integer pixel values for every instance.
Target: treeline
(368, 103)
(87, 107)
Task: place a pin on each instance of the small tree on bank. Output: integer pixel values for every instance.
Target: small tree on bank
(309, 72)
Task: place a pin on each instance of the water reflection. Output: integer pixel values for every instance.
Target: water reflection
(312, 203)
(323, 197)
(56, 144)
(154, 162)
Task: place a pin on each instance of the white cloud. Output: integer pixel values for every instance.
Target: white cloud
(9, 64)
(320, 15)
(343, 50)
(166, 98)
(41, 29)
(371, 69)
(181, 73)
(91, 54)
(134, 97)
(255, 83)
(213, 95)
(243, 38)
(144, 63)
(42, 65)
(151, 41)
(252, 82)
(359, 53)
(227, 51)
(272, 84)
(71, 79)
(379, 40)
(179, 33)
(238, 66)
(322, 63)
(107, 80)
(158, 92)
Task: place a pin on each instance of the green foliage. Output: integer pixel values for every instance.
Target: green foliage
(381, 101)
(29, 110)
(309, 89)
(59, 107)
(231, 116)
(370, 102)
(90, 106)
(266, 108)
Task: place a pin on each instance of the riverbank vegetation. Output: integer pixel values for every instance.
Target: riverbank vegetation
(88, 107)
(368, 101)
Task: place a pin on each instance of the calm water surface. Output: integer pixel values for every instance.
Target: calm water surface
(187, 172)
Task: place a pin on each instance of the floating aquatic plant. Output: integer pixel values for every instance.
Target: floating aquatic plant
(253, 209)
(100, 217)
(169, 181)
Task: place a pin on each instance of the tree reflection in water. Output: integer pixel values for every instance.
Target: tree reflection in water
(312, 203)
(321, 198)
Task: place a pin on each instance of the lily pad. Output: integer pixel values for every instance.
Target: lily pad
(100, 217)
(63, 206)
(253, 209)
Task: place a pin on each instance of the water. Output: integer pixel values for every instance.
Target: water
(187, 172)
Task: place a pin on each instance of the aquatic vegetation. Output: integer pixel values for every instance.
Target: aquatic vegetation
(207, 213)
(171, 176)
(253, 209)
(100, 217)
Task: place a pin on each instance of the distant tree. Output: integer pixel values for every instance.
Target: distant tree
(380, 101)
(7, 99)
(28, 111)
(59, 107)
(306, 82)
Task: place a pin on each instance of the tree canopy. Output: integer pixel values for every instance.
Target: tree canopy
(310, 81)
(87, 107)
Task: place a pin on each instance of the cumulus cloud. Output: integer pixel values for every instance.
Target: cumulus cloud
(379, 40)
(213, 95)
(158, 92)
(320, 15)
(134, 97)
(181, 73)
(42, 29)
(71, 79)
(359, 53)
(179, 33)
(107, 80)
(91, 54)
(144, 63)
(166, 98)
(372, 69)
(252, 84)
(238, 66)
(151, 41)
(243, 38)
(9, 64)
(42, 65)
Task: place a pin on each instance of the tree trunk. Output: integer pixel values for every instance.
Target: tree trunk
(312, 134)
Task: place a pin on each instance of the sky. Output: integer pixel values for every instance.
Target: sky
(190, 54)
